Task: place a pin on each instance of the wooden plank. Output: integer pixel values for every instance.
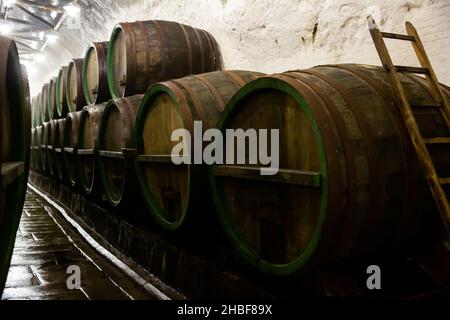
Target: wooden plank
(10, 171)
(85, 152)
(286, 176)
(397, 36)
(154, 158)
(129, 152)
(436, 106)
(415, 70)
(438, 140)
(111, 154)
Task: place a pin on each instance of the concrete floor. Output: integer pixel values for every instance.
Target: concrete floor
(46, 245)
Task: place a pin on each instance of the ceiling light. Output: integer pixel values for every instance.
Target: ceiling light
(5, 28)
(53, 14)
(72, 10)
(41, 35)
(52, 38)
(9, 3)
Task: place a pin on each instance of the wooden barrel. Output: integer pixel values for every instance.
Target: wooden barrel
(173, 192)
(52, 106)
(13, 151)
(50, 142)
(58, 147)
(44, 103)
(74, 86)
(143, 53)
(61, 100)
(87, 148)
(115, 139)
(71, 147)
(95, 74)
(35, 151)
(38, 142)
(349, 183)
(45, 154)
(38, 110)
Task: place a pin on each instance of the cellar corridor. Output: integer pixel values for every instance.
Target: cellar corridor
(46, 246)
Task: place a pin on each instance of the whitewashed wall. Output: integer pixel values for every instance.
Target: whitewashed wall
(268, 35)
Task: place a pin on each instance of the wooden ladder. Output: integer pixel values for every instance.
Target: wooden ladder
(435, 182)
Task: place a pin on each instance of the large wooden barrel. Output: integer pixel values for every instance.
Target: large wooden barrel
(115, 139)
(87, 148)
(74, 86)
(95, 74)
(61, 100)
(71, 147)
(44, 102)
(52, 106)
(58, 147)
(174, 192)
(13, 151)
(349, 183)
(143, 53)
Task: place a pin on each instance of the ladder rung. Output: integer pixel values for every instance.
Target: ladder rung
(438, 140)
(427, 106)
(444, 181)
(397, 36)
(415, 70)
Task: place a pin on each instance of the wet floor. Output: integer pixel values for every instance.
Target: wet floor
(46, 246)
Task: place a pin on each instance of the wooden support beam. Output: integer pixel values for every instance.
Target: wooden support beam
(285, 176)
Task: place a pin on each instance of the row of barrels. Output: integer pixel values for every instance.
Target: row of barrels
(349, 184)
(15, 126)
(137, 55)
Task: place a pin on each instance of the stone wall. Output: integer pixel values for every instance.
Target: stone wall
(268, 35)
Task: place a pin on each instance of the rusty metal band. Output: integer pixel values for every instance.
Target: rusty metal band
(145, 35)
(332, 144)
(346, 141)
(217, 97)
(411, 164)
(162, 49)
(198, 110)
(372, 154)
(202, 53)
(189, 47)
(211, 50)
(235, 77)
(183, 104)
(421, 82)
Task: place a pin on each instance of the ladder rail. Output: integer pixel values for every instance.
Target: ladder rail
(418, 142)
(431, 76)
